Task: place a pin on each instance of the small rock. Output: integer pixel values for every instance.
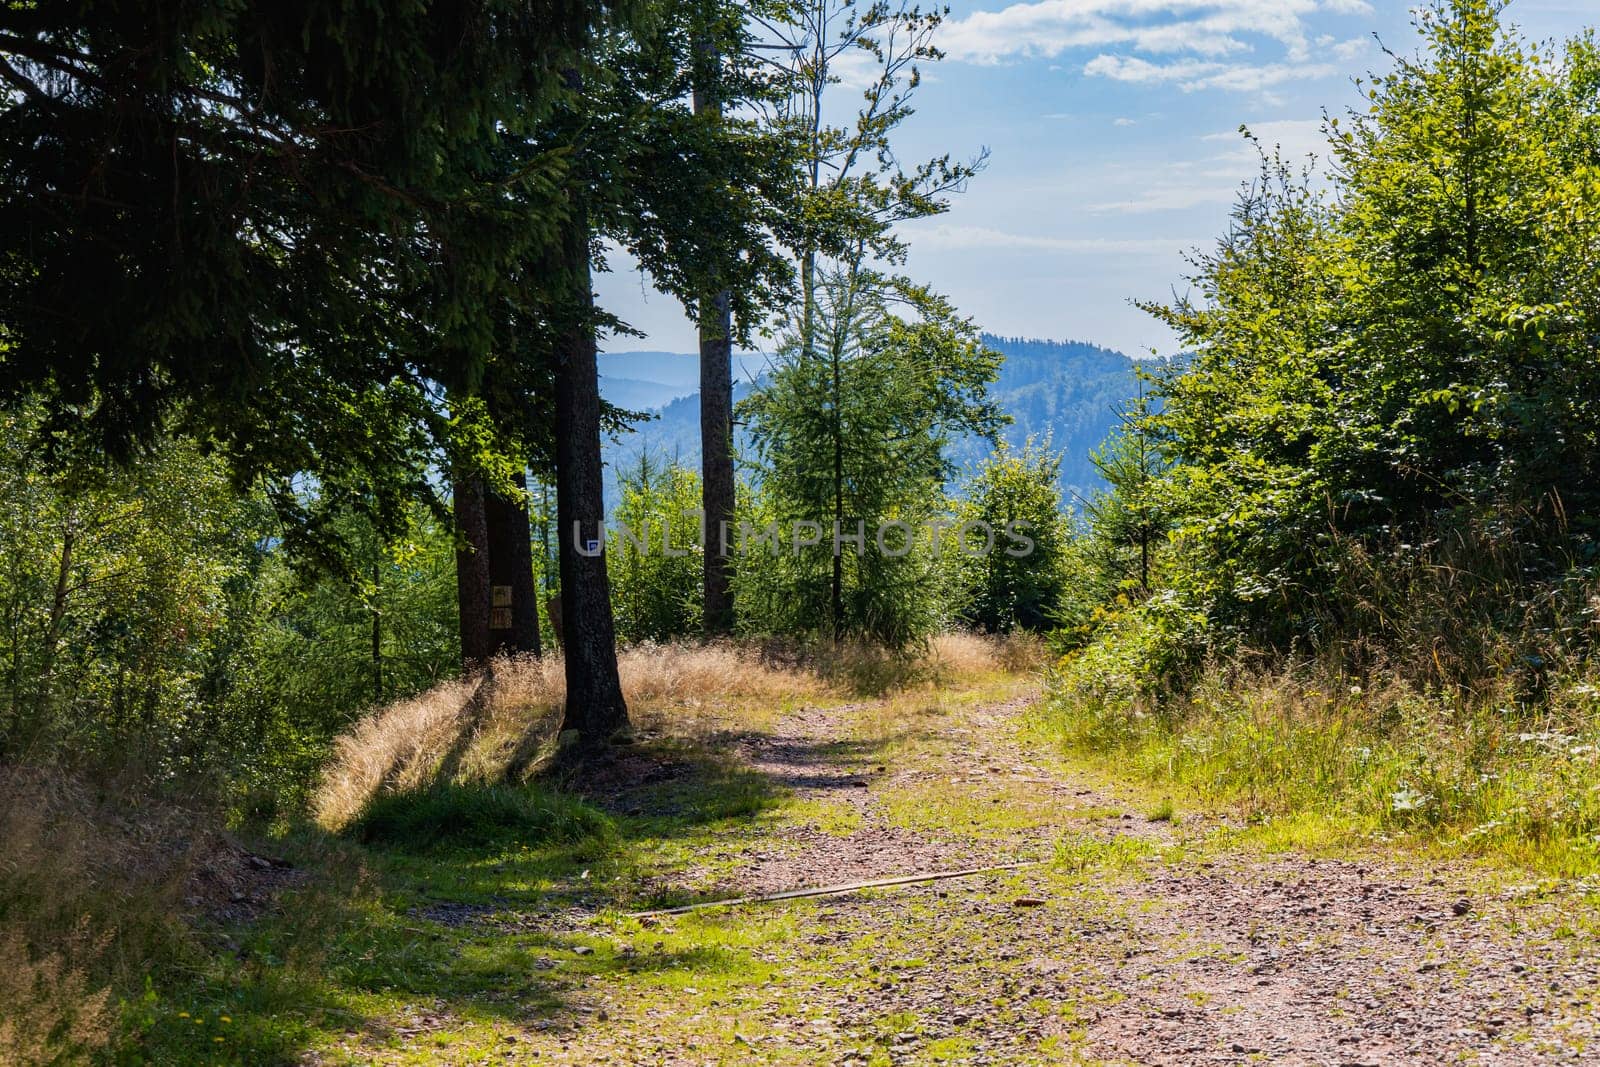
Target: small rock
(1028, 902)
(1461, 907)
(584, 950)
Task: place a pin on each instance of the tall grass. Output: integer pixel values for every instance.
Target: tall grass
(91, 883)
(1320, 755)
(478, 816)
(497, 728)
(1475, 606)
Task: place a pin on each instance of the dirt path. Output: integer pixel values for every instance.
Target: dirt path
(1226, 959)
(1133, 941)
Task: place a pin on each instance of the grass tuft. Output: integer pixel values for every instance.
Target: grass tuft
(1164, 811)
(477, 816)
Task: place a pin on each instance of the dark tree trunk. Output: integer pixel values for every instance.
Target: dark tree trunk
(594, 706)
(514, 604)
(836, 582)
(716, 463)
(716, 397)
(472, 571)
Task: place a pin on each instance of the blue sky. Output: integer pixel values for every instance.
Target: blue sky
(1112, 127)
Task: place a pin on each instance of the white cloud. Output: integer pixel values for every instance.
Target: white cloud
(1171, 198)
(949, 236)
(1125, 122)
(1297, 137)
(1211, 36)
(1134, 69)
(1192, 75)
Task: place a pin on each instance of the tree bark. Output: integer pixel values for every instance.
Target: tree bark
(716, 396)
(472, 571)
(594, 705)
(513, 626)
(716, 464)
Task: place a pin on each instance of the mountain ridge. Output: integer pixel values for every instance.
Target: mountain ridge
(1064, 392)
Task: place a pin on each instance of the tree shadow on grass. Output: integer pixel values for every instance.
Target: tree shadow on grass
(505, 934)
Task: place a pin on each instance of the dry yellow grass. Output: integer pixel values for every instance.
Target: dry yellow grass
(89, 886)
(53, 1012)
(965, 656)
(485, 729)
(467, 730)
(480, 730)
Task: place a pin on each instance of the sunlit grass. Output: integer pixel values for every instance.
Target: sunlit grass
(1314, 765)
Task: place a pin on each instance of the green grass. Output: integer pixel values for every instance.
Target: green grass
(1078, 854)
(1333, 766)
(503, 942)
(477, 816)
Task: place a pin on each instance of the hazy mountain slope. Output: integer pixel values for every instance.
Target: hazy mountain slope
(1066, 391)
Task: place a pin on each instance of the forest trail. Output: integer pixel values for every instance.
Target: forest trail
(1135, 938)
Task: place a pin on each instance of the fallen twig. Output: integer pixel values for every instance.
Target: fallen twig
(835, 890)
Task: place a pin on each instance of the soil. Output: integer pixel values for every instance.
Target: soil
(1132, 939)
(1285, 959)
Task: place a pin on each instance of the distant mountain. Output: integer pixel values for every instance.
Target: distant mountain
(1068, 392)
(675, 370)
(1065, 391)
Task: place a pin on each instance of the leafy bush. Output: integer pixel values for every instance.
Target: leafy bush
(657, 596)
(477, 816)
(1385, 447)
(1020, 491)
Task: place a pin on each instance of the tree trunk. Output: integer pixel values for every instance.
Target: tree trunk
(472, 571)
(836, 584)
(716, 397)
(716, 464)
(514, 604)
(594, 705)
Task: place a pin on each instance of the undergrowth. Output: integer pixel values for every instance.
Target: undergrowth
(1308, 755)
(478, 816)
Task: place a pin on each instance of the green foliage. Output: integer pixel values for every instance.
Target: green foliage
(124, 592)
(474, 816)
(307, 664)
(153, 620)
(655, 586)
(297, 225)
(1128, 522)
(290, 220)
(1007, 589)
(853, 435)
(1396, 364)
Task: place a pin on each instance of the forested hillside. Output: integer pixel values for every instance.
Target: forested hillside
(1068, 393)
